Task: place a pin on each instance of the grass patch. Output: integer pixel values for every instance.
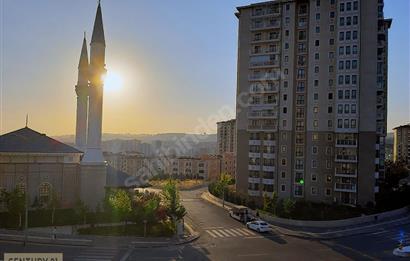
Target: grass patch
(181, 184)
(158, 230)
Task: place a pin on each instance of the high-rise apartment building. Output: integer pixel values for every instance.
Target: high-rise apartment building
(311, 99)
(401, 147)
(226, 136)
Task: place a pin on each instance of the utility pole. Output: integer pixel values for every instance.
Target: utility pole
(26, 214)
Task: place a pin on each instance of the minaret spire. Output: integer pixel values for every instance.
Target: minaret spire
(81, 90)
(98, 31)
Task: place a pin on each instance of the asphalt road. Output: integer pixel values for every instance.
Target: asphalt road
(223, 238)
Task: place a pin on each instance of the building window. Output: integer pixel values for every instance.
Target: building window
(331, 28)
(283, 188)
(317, 43)
(316, 69)
(44, 192)
(314, 150)
(317, 29)
(283, 174)
(285, 110)
(330, 95)
(283, 162)
(329, 123)
(332, 14)
(328, 191)
(313, 177)
(315, 123)
(283, 149)
(315, 109)
(317, 16)
(331, 41)
(313, 190)
(316, 96)
(314, 164)
(315, 137)
(316, 56)
(328, 178)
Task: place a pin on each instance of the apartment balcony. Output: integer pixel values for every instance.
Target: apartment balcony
(346, 143)
(254, 167)
(266, 13)
(268, 155)
(267, 104)
(269, 142)
(268, 181)
(266, 64)
(268, 168)
(263, 127)
(261, 40)
(265, 26)
(342, 187)
(255, 142)
(345, 173)
(254, 193)
(254, 180)
(264, 77)
(263, 114)
(254, 155)
(346, 158)
(264, 89)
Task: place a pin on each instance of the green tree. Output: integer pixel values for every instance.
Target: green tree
(222, 185)
(120, 202)
(174, 209)
(53, 204)
(15, 203)
(81, 210)
(289, 206)
(395, 171)
(270, 203)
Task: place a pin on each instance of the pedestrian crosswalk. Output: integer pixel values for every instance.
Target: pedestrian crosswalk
(395, 235)
(94, 254)
(229, 232)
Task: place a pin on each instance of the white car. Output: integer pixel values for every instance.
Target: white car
(258, 225)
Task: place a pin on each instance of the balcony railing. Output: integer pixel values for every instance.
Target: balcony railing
(264, 89)
(268, 181)
(345, 173)
(254, 167)
(262, 114)
(253, 193)
(262, 127)
(345, 187)
(266, 25)
(264, 64)
(264, 77)
(346, 158)
(343, 143)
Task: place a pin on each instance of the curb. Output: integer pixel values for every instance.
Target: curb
(307, 235)
(47, 240)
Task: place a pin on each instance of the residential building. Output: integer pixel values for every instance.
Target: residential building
(228, 163)
(226, 136)
(401, 147)
(311, 99)
(128, 162)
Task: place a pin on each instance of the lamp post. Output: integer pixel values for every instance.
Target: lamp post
(26, 213)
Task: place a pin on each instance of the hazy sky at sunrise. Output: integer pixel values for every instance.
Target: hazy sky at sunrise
(177, 60)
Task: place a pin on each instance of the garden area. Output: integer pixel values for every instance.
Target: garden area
(392, 196)
(182, 184)
(141, 213)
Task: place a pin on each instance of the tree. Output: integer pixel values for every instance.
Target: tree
(174, 209)
(15, 203)
(53, 204)
(289, 206)
(270, 203)
(120, 202)
(81, 209)
(395, 171)
(224, 181)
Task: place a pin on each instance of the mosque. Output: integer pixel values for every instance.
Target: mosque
(35, 163)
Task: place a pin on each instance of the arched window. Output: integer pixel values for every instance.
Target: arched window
(44, 192)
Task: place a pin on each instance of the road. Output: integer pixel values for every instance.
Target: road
(223, 238)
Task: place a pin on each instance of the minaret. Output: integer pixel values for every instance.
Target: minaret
(96, 72)
(82, 99)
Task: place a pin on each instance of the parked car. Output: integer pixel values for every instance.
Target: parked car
(258, 225)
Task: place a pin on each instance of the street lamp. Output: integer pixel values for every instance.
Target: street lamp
(26, 212)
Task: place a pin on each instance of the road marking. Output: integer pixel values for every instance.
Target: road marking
(217, 233)
(224, 233)
(380, 232)
(230, 232)
(212, 227)
(262, 254)
(246, 231)
(235, 232)
(241, 232)
(212, 234)
(255, 237)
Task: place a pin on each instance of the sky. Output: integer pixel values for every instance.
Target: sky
(173, 63)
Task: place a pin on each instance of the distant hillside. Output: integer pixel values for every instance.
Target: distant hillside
(143, 137)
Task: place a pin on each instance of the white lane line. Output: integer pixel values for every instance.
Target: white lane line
(240, 232)
(212, 234)
(230, 232)
(212, 227)
(246, 231)
(224, 233)
(380, 232)
(235, 232)
(217, 233)
(253, 237)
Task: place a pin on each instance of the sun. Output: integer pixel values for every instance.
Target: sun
(113, 82)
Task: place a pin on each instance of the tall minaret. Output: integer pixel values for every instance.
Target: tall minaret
(82, 99)
(96, 72)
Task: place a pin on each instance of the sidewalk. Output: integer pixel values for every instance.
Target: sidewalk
(324, 233)
(63, 237)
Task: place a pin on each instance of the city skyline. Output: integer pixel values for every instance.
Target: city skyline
(192, 85)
